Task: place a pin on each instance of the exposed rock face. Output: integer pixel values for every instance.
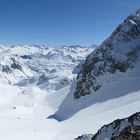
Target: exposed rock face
(16, 65)
(121, 129)
(6, 69)
(129, 133)
(118, 53)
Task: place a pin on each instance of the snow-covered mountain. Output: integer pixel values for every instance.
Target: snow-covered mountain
(32, 78)
(49, 68)
(111, 72)
(118, 54)
(115, 63)
(120, 129)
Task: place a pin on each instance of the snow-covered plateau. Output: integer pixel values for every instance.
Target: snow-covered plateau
(64, 92)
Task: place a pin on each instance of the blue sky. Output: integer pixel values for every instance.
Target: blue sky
(61, 22)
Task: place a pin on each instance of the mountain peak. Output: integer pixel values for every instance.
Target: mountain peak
(138, 12)
(117, 54)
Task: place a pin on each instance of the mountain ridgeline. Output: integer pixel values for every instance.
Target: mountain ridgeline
(121, 129)
(47, 67)
(117, 54)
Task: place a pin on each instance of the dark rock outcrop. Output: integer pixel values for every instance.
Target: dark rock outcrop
(16, 65)
(6, 69)
(129, 133)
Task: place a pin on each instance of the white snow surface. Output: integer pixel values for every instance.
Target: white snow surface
(49, 68)
(25, 108)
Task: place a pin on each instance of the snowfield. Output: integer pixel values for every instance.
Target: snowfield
(25, 110)
(34, 80)
(25, 116)
(102, 108)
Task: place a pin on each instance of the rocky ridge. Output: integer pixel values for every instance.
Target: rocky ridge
(117, 54)
(121, 129)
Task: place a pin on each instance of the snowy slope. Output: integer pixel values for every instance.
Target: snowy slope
(114, 66)
(109, 97)
(24, 114)
(102, 111)
(106, 68)
(29, 77)
(109, 74)
(120, 129)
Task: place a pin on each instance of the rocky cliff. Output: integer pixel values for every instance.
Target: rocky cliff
(117, 54)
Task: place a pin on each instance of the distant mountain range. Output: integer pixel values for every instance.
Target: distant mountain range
(26, 65)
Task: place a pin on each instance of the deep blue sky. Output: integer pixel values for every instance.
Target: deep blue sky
(59, 22)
